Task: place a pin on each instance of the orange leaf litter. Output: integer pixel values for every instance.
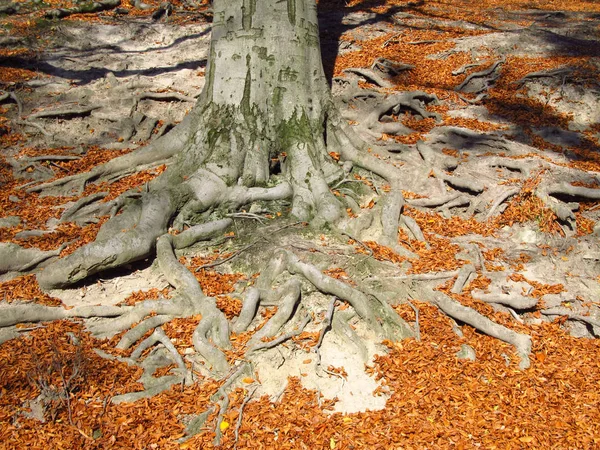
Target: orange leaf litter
(437, 401)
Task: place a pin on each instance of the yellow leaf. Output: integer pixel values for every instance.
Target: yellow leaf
(248, 380)
(346, 420)
(331, 443)
(526, 439)
(223, 425)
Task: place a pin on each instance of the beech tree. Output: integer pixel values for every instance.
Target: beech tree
(266, 128)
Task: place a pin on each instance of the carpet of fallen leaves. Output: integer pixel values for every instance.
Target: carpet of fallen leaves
(435, 399)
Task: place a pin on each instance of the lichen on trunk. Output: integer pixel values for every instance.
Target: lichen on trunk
(266, 99)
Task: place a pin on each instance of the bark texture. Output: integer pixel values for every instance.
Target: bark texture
(263, 112)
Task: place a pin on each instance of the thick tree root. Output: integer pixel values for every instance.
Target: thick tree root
(515, 301)
(566, 312)
(489, 75)
(521, 342)
(88, 8)
(213, 325)
(27, 313)
(14, 258)
(128, 237)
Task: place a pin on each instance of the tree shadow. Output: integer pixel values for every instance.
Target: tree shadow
(336, 18)
(85, 76)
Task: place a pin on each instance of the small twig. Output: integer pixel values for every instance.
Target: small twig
(593, 208)
(344, 181)
(24, 330)
(422, 276)
(390, 40)
(247, 216)
(284, 337)
(105, 403)
(514, 314)
(240, 415)
(417, 326)
(277, 230)
(223, 261)
(359, 241)
(67, 393)
(433, 41)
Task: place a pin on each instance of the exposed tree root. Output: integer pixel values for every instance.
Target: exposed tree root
(489, 75)
(14, 258)
(64, 112)
(88, 8)
(11, 95)
(566, 312)
(560, 72)
(521, 342)
(153, 154)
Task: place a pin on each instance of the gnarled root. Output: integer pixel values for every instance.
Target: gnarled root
(452, 308)
(151, 155)
(127, 238)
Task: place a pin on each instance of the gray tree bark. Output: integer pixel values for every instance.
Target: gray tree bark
(266, 99)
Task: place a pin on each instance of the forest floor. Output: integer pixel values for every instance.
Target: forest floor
(517, 117)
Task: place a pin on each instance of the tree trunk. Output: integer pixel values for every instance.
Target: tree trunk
(257, 132)
(267, 98)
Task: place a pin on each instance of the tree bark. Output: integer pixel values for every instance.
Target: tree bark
(265, 106)
(268, 98)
